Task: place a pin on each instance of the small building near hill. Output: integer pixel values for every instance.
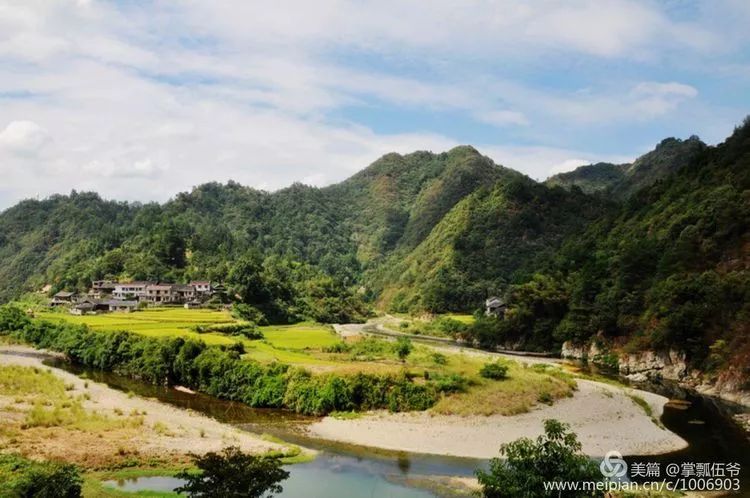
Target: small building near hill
(123, 306)
(160, 293)
(494, 306)
(63, 298)
(88, 305)
(184, 293)
(102, 288)
(130, 290)
(82, 309)
(202, 286)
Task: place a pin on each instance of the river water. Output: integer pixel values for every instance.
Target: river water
(353, 471)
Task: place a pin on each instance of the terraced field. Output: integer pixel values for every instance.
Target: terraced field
(284, 343)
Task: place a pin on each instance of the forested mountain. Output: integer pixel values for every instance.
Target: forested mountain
(661, 260)
(493, 237)
(668, 268)
(622, 180)
(67, 241)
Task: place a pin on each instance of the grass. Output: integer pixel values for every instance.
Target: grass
(310, 345)
(282, 343)
(465, 318)
(48, 403)
(642, 403)
(153, 322)
(522, 389)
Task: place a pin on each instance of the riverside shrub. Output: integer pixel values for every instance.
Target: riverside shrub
(219, 372)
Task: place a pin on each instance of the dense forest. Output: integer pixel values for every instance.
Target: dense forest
(667, 268)
(652, 253)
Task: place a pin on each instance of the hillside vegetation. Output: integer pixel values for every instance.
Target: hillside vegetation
(649, 254)
(669, 268)
(622, 180)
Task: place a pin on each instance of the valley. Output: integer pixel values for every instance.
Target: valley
(369, 315)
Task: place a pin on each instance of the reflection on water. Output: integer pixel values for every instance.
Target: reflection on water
(327, 477)
(153, 483)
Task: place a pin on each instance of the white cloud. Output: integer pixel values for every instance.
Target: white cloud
(543, 162)
(24, 137)
(147, 99)
(654, 99)
(502, 118)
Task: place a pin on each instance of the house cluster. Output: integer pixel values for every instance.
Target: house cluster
(108, 295)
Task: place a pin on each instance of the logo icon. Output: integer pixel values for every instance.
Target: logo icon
(613, 465)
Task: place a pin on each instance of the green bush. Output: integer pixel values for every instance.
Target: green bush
(525, 466)
(249, 313)
(233, 473)
(24, 478)
(403, 347)
(339, 347)
(220, 371)
(452, 383)
(247, 329)
(496, 371)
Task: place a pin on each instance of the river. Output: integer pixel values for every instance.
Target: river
(354, 471)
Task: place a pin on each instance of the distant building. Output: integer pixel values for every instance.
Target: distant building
(494, 306)
(63, 298)
(102, 288)
(192, 294)
(161, 293)
(82, 309)
(89, 305)
(202, 286)
(125, 306)
(184, 293)
(129, 290)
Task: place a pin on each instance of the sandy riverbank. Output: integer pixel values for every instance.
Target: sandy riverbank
(604, 417)
(166, 430)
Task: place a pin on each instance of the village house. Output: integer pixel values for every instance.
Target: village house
(160, 293)
(63, 298)
(184, 293)
(494, 306)
(129, 290)
(202, 286)
(120, 305)
(88, 305)
(102, 288)
(108, 295)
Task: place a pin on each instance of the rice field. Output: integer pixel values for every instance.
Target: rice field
(284, 343)
(305, 344)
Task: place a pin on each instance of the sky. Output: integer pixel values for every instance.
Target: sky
(140, 100)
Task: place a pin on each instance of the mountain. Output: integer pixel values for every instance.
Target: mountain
(653, 255)
(67, 241)
(622, 180)
(490, 238)
(397, 201)
(591, 178)
(667, 269)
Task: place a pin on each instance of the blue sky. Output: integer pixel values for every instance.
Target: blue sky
(139, 100)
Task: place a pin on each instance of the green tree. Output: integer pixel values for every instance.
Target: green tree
(403, 347)
(233, 474)
(528, 464)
